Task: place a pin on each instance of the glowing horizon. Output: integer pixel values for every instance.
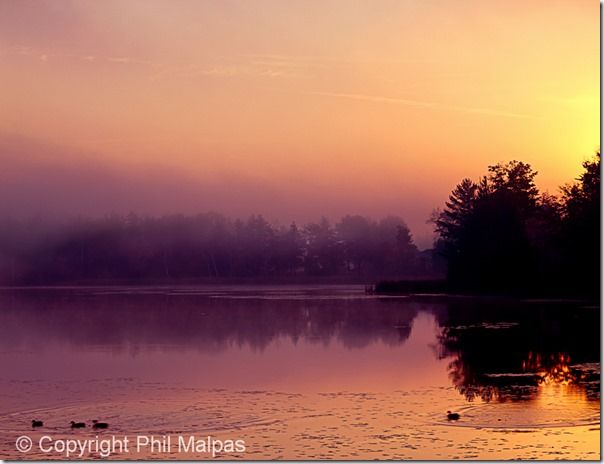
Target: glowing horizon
(301, 108)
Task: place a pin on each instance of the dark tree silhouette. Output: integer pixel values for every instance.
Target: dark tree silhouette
(502, 235)
(454, 218)
(581, 227)
(483, 228)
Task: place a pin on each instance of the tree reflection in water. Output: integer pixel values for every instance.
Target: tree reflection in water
(536, 345)
(498, 350)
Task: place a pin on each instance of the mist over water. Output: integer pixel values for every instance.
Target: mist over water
(50, 181)
(338, 230)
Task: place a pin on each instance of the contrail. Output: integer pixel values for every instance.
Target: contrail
(423, 104)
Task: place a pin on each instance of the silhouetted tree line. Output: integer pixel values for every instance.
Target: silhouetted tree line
(176, 248)
(502, 234)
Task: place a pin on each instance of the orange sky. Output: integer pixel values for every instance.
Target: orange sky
(370, 107)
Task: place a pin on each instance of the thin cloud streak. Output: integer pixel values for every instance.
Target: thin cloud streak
(423, 104)
(310, 60)
(222, 67)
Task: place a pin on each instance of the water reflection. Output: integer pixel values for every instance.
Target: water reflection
(495, 350)
(304, 373)
(207, 321)
(508, 351)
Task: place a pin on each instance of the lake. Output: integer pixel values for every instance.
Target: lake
(308, 372)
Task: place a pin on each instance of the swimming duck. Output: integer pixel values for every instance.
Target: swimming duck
(452, 416)
(99, 425)
(37, 423)
(77, 425)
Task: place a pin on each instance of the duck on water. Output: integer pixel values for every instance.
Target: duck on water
(99, 425)
(74, 425)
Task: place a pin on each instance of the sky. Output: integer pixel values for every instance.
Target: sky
(290, 109)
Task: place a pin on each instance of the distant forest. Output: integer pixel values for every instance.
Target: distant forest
(177, 248)
(496, 234)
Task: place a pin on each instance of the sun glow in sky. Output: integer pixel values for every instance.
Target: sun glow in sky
(293, 109)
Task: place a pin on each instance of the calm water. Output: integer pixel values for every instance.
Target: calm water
(302, 372)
